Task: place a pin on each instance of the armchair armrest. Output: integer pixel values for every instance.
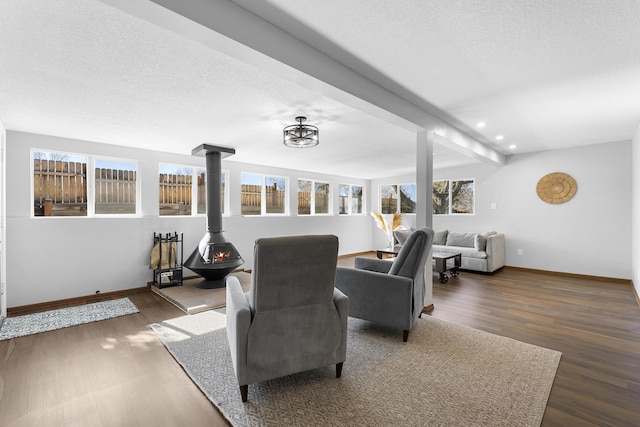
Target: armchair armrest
(238, 323)
(341, 302)
(372, 264)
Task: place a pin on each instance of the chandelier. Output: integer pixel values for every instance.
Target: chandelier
(301, 136)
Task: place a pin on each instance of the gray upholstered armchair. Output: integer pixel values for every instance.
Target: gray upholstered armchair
(292, 319)
(389, 293)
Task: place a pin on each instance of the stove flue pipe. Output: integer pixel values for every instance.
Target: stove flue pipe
(214, 191)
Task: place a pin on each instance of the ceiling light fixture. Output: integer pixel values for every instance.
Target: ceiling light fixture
(481, 124)
(499, 137)
(301, 136)
(513, 146)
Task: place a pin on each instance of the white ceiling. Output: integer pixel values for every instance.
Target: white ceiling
(545, 74)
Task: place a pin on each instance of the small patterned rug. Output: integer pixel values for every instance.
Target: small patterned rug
(13, 327)
(445, 375)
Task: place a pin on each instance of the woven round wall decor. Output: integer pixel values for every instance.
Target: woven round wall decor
(556, 187)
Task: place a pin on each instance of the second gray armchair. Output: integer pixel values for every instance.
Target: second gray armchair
(389, 293)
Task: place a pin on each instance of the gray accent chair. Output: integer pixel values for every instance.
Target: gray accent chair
(292, 319)
(389, 293)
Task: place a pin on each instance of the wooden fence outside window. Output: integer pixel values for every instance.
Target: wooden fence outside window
(60, 189)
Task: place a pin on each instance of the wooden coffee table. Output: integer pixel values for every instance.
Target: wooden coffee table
(388, 251)
(442, 264)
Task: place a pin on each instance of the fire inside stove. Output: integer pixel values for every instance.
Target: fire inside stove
(218, 252)
(222, 256)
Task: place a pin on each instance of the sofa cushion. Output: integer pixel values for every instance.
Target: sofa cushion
(465, 251)
(456, 238)
(440, 237)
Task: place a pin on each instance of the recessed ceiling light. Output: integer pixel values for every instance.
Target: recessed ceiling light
(481, 124)
(499, 137)
(512, 146)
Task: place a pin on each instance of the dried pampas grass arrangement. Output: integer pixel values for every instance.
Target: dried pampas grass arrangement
(384, 225)
(396, 222)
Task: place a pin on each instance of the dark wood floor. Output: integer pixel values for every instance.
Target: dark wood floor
(117, 373)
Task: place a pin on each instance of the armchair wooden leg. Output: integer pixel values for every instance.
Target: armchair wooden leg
(339, 369)
(405, 335)
(244, 392)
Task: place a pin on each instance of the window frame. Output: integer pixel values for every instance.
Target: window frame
(398, 191)
(312, 201)
(90, 180)
(349, 202)
(450, 196)
(263, 195)
(194, 206)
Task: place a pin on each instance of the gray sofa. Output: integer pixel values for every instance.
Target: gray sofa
(483, 252)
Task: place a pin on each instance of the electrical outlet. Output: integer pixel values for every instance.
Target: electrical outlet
(2, 288)
(519, 252)
(494, 205)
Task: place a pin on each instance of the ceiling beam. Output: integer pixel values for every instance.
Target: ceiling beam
(228, 28)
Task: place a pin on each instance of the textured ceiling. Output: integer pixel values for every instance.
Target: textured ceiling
(544, 74)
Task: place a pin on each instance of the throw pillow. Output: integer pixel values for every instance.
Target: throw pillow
(402, 235)
(456, 238)
(440, 237)
(480, 241)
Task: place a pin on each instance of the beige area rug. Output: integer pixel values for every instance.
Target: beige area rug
(191, 299)
(445, 375)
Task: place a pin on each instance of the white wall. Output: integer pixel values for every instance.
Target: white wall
(635, 226)
(590, 234)
(56, 258)
(3, 227)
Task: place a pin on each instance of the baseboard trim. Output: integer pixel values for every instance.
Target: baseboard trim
(572, 275)
(70, 302)
(635, 293)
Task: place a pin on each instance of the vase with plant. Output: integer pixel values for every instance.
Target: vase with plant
(386, 226)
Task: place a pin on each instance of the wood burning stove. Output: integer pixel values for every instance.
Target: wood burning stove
(215, 257)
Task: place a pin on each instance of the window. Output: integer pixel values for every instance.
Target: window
(115, 190)
(175, 191)
(313, 197)
(388, 199)
(350, 199)
(454, 197)
(408, 200)
(59, 184)
(263, 195)
(201, 191)
(441, 197)
(398, 198)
